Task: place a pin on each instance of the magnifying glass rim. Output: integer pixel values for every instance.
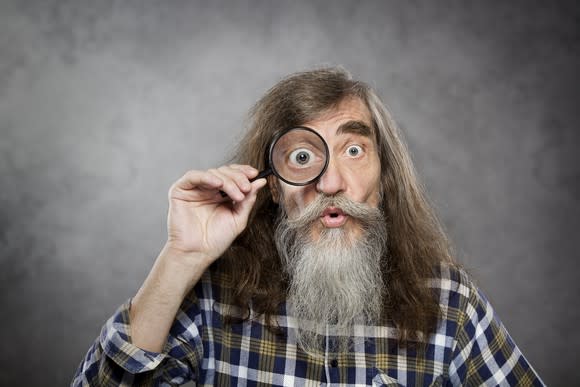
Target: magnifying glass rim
(275, 141)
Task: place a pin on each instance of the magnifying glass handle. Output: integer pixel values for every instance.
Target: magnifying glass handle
(262, 174)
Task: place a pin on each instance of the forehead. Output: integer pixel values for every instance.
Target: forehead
(349, 110)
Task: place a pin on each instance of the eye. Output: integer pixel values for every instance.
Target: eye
(354, 150)
(301, 157)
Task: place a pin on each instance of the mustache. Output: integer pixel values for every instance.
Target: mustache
(360, 211)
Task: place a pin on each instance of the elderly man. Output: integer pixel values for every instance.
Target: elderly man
(343, 277)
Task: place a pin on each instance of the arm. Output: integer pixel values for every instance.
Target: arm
(201, 226)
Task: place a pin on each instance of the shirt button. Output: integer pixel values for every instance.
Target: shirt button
(334, 363)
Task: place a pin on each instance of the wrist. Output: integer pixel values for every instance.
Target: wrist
(184, 267)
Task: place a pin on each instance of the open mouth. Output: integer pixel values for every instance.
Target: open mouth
(333, 217)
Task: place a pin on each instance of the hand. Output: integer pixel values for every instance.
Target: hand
(201, 220)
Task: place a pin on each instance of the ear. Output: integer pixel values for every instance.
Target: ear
(273, 185)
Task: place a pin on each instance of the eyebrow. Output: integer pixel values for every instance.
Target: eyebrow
(355, 127)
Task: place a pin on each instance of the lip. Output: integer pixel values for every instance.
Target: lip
(333, 217)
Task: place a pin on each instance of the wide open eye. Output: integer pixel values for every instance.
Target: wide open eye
(354, 150)
(301, 157)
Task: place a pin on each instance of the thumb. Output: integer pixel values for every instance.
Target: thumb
(244, 207)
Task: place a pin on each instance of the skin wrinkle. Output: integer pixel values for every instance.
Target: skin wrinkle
(359, 180)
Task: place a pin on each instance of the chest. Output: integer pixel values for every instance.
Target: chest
(250, 354)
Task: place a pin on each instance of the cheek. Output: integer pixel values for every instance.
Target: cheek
(294, 199)
(370, 184)
(374, 199)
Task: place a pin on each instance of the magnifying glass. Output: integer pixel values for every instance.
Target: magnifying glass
(297, 156)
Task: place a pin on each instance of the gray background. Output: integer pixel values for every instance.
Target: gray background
(104, 104)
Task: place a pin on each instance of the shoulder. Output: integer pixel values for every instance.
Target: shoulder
(451, 282)
(482, 351)
(459, 296)
(465, 310)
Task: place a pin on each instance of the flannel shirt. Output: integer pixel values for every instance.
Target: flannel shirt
(470, 347)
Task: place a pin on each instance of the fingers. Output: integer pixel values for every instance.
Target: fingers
(248, 170)
(232, 179)
(235, 183)
(196, 179)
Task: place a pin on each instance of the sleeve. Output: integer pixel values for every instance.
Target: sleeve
(484, 352)
(113, 360)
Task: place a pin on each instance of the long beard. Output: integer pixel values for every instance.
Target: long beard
(336, 280)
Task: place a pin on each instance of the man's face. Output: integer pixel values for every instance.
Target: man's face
(353, 169)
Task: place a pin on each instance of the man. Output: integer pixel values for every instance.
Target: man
(346, 280)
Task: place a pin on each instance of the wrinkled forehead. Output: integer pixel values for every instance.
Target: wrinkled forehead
(350, 116)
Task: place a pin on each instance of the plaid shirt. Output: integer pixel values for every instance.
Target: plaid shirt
(470, 347)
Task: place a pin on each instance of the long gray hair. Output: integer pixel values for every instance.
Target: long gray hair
(417, 244)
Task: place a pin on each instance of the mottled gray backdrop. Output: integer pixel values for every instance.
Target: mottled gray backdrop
(104, 104)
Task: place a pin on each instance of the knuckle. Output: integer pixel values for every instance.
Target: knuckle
(224, 168)
(232, 184)
(190, 173)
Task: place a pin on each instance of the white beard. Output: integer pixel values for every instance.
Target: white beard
(336, 281)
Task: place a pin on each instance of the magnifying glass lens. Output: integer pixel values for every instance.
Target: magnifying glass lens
(299, 156)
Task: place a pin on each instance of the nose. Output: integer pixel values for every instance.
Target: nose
(332, 181)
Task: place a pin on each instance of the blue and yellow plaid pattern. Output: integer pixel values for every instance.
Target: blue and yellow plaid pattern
(471, 347)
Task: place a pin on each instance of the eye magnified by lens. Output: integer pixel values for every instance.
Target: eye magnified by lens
(298, 156)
